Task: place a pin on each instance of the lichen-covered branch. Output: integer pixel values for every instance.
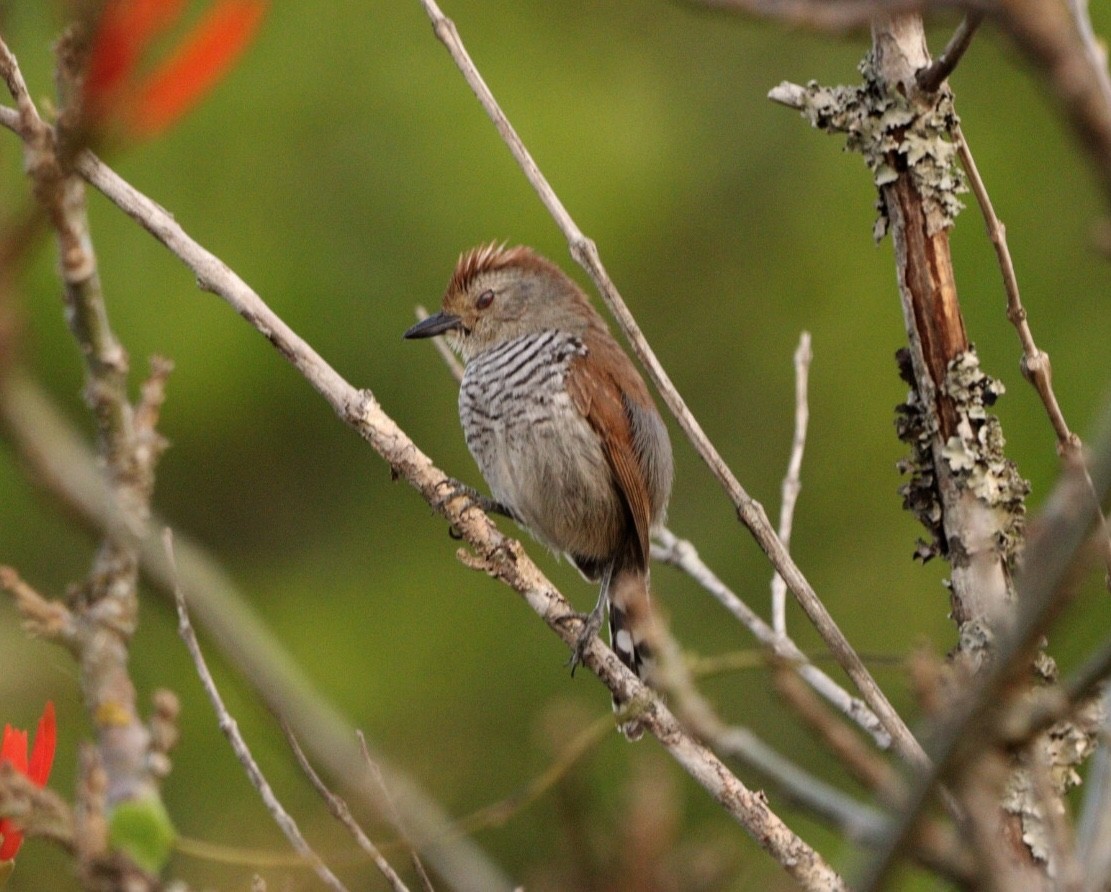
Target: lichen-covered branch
(961, 485)
(977, 714)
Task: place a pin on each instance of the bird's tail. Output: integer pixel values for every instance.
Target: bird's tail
(629, 619)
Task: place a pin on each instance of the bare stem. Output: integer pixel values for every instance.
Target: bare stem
(230, 728)
(1036, 366)
(935, 74)
(682, 554)
(341, 812)
(792, 482)
(858, 822)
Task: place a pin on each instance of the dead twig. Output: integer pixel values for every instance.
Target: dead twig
(341, 812)
(230, 728)
(1036, 367)
(937, 72)
(791, 481)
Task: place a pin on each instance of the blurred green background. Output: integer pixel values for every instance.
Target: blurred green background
(339, 170)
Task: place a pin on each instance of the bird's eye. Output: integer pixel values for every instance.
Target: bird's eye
(485, 299)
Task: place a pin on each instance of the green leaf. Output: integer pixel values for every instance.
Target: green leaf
(142, 830)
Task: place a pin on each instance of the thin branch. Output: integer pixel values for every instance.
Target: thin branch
(682, 554)
(341, 812)
(791, 482)
(749, 511)
(937, 72)
(42, 617)
(38, 811)
(862, 763)
(393, 813)
(935, 846)
(1036, 367)
(239, 746)
(856, 821)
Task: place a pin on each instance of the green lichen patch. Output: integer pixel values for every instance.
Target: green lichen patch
(974, 453)
(920, 493)
(895, 134)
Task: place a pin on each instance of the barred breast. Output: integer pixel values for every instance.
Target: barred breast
(535, 450)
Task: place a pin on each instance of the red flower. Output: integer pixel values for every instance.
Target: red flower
(128, 27)
(13, 749)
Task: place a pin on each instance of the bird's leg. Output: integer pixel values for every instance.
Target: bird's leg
(450, 488)
(593, 621)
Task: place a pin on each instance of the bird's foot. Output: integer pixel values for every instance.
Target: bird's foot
(592, 625)
(450, 489)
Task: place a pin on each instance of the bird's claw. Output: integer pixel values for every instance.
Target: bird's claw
(592, 624)
(449, 488)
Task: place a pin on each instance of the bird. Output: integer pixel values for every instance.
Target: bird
(562, 428)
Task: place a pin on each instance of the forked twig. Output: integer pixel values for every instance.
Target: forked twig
(680, 553)
(934, 75)
(338, 807)
(239, 746)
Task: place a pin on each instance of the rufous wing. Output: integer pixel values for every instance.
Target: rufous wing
(598, 386)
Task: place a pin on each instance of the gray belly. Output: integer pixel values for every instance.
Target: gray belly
(537, 453)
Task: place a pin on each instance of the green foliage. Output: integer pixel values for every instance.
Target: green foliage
(142, 830)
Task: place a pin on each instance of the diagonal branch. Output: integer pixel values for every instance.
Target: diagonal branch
(750, 512)
(935, 74)
(499, 556)
(61, 462)
(680, 553)
(1036, 367)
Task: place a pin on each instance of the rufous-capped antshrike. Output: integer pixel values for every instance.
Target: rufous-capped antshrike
(561, 426)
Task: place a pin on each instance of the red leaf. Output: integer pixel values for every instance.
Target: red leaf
(125, 29)
(42, 754)
(198, 64)
(13, 749)
(10, 839)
